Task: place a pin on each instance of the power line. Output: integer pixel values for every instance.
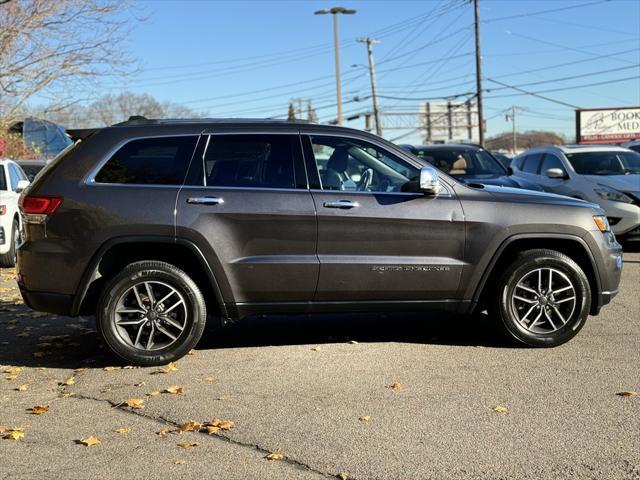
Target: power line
(553, 10)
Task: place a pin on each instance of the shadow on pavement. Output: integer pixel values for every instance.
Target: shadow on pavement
(32, 339)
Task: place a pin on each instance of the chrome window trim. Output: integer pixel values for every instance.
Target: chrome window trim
(446, 193)
(90, 178)
(290, 131)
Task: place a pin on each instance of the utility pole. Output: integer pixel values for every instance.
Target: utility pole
(335, 11)
(512, 119)
(476, 14)
(374, 88)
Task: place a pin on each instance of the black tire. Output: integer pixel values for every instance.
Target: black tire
(194, 313)
(8, 260)
(512, 312)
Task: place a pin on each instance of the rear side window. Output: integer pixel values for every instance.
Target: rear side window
(531, 163)
(258, 161)
(517, 162)
(156, 161)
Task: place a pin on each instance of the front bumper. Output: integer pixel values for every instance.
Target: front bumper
(56, 303)
(607, 257)
(627, 213)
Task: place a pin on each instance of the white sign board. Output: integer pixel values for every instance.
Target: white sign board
(611, 125)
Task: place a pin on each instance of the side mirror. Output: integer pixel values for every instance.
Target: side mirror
(429, 181)
(556, 173)
(22, 184)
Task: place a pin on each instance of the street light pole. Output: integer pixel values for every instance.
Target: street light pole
(335, 11)
(374, 88)
(476, 15)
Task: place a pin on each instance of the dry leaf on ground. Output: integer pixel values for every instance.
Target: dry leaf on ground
(343, 475)
(39, 409)
(176, 390)
(500, 409)
(111, 369)
(16, 434)
(69, 381)
(179, 462)
(163, 432)
(211, 430)
(190, 427)
(315, 349)
(153, 394)
(364, 418)
(122, 430)
(89, 441)
(135, 403)
(275, 456)
(22, 388)
(171, 367)
(627, 394)
(188, 444)
(395, 386)
(12, 370)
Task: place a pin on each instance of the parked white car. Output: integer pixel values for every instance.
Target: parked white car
(608, 176)
(12, 181)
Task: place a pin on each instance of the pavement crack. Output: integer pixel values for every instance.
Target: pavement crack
(167, 422)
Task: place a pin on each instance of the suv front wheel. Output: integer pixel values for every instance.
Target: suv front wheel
(151, 313)
(543, 298)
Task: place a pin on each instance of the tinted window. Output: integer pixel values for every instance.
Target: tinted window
(3, 179)
(550, 161)
(462, 162)
(158, 161)
(517, 162)
(14, 176)
(260, 161)
(349, 164)
(531, 163)
(605, 163)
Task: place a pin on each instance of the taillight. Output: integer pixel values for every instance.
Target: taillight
(37, 207)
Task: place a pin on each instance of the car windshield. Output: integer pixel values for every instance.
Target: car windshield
(462, 162)
(605, 163)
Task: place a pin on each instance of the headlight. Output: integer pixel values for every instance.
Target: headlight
(602, 223)
(607, 193)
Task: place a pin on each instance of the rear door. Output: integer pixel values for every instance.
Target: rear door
(377, 241)
(246, 204)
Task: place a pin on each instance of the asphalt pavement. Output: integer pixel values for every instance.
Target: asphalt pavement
(359, 396)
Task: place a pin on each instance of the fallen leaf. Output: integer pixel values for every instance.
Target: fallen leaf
(152, 394)
(395, 386)
(11, 377)
(500, 409)
(78, 370)
(122, 430)
(364, 418)
(191, 352)
(110, 369)
(275, 456)
(209, 379)
(39, 409)
(14, 435)
(627, 394)
(171, 367)
(89, 441)
(69, 381)
(179, 462)
(187, 444)
(226, 425)
(139, 384)
(12, 370)
(221, 397)
(315, 349)
(163, 432)
(190, 427)
(135, 403)
(211, 430)
(176, 390)
(343, 475)
(22, 388)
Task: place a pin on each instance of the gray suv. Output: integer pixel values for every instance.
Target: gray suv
(156, 226)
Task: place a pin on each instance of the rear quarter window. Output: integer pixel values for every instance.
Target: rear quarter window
(150, 161)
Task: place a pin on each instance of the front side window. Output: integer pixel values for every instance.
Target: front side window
(550, 161)
(349, 164)
(462, 162)
(150, 161)
(251, 161)
(605, 163)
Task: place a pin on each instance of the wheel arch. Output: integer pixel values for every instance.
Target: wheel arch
(117, 252)
(572, 246)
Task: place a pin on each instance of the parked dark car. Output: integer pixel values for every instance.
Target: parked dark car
(469, 164)
(31, 167)
(156, 226)
(502, 158)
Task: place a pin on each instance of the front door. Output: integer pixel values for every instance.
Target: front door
(378, 241)
(246, 204)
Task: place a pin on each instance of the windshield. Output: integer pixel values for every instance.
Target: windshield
(605, 163)
(462, 162)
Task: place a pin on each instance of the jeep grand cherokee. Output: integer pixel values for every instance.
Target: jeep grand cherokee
(156, 225)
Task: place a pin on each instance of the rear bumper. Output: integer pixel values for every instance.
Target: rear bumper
(47, 302)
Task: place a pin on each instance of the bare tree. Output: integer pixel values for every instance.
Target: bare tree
(55, 48)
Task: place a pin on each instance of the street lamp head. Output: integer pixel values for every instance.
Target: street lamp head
(336, 10)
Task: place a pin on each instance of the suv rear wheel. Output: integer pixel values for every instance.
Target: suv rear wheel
(151, 313)
(543, 298)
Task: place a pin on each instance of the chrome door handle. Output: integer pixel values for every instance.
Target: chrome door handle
(346, 204)
(205, 200)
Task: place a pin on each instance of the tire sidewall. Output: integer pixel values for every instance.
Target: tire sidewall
(196, 316)
(573, 325)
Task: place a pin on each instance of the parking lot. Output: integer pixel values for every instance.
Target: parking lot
(364, 396)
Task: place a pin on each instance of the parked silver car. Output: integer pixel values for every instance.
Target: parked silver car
(606, 175)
